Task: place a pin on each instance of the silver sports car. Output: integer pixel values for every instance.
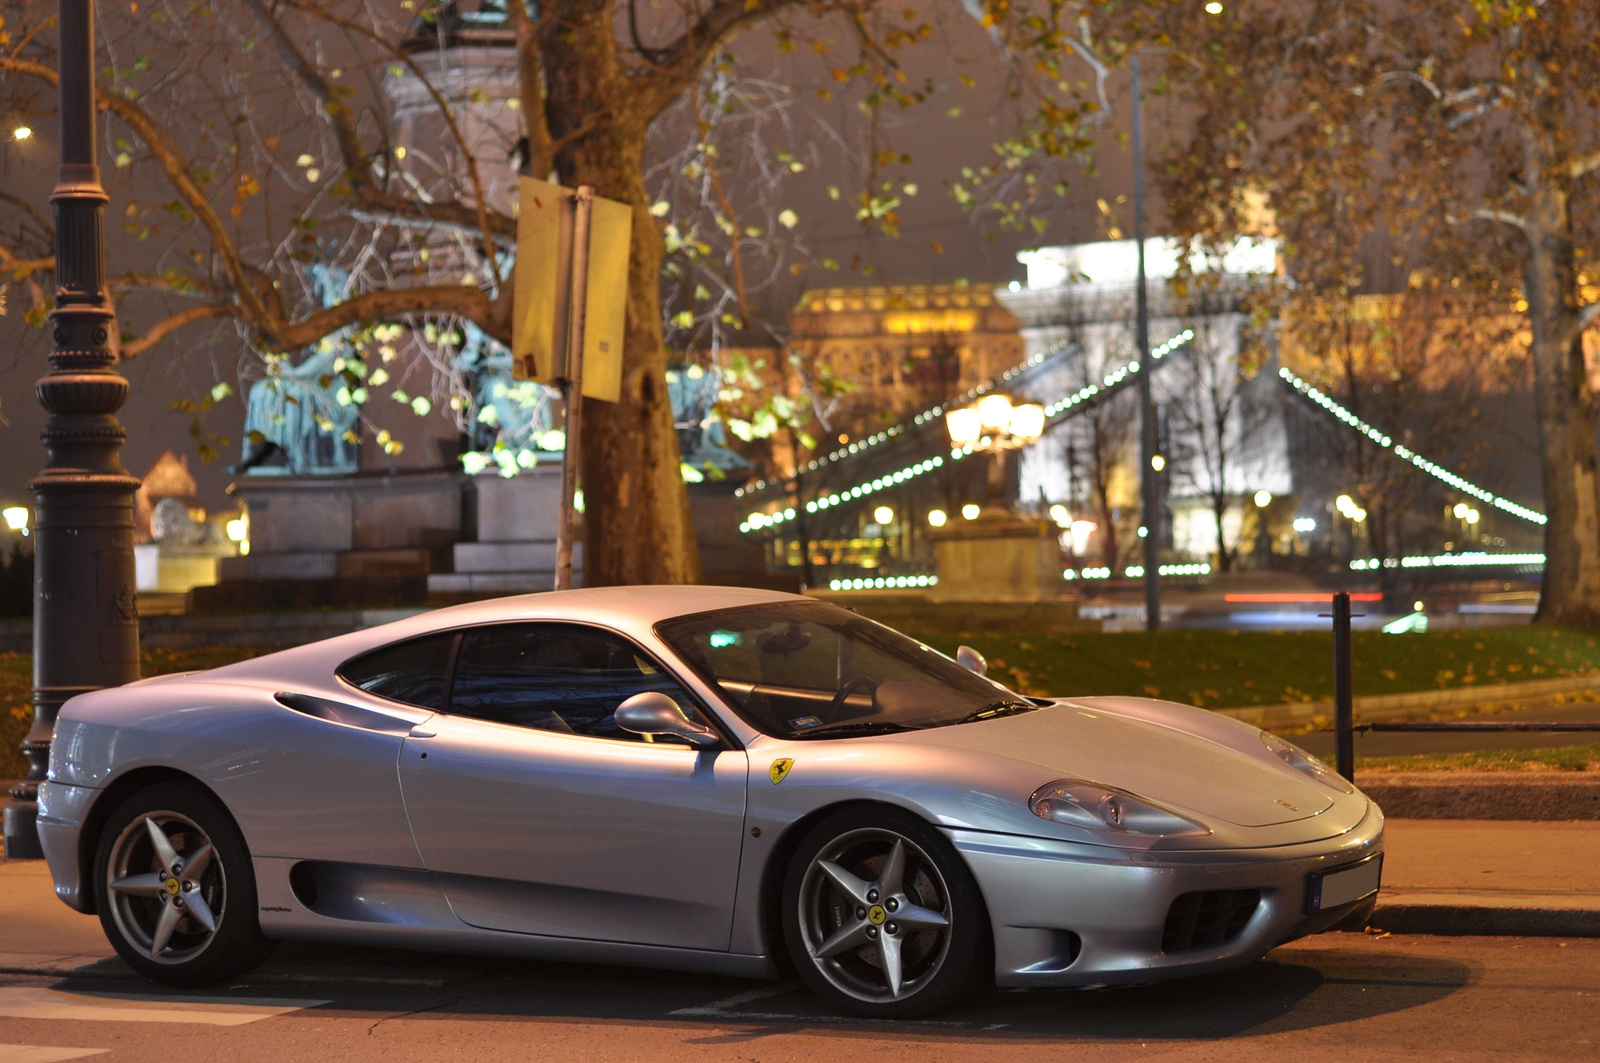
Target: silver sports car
(701, 778)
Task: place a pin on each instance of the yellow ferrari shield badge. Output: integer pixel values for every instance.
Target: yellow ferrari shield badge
(780, 769)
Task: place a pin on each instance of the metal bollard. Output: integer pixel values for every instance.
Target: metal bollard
(1344, 756)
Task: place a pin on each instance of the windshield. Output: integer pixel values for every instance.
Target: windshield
(813, 670)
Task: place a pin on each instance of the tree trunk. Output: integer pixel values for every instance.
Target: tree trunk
(1571, 590)
(637, 525)
(1219, 509)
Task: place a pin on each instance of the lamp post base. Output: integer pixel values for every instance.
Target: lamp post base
(21, 818)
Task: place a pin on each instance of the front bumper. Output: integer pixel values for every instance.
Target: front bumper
(62, 812)
(1076, 915)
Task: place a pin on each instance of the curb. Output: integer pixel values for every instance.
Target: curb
(1498, 795)
(1463, 920)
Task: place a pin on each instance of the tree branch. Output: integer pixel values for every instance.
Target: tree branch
(1583, 164)
(1588, 316)
(683, 58)
(306, 70)
(162, 329)
(377, 305)
(1505, 217)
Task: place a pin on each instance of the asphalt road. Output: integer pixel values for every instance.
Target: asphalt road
(1343, 997)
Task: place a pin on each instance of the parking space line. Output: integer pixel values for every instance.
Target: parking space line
(45, 1053)
(30, 1002)
(720, 1007)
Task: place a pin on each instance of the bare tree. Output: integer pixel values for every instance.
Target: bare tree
(1215, 411)
(266, 122)
(1468, 131)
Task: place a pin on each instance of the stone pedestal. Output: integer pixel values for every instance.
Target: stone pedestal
(726, 557)
(362, 539)
(999, 557)
(166, 568)
(515, 552)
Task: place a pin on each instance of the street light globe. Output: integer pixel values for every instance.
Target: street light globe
(16, 517)
(1358, 515)
(1344, 504)
(1263, 499)
(883, 515)
(937, 517)
(1157, 462)
(1059, 514)
(970, 511)
(964, 426)
(1473, 516)
(22, 132)
(1459, 511)
(994, 412)
(1027, 421)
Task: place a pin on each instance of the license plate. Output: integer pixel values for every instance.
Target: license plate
(1331, 889)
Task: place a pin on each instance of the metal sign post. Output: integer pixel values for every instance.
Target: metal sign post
(1148, 481)
(572, 384)
(570, 317)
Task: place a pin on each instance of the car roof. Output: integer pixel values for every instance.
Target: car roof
(622, 607)
(632, 610)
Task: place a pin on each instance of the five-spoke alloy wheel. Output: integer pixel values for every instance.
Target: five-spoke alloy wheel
(175, 889)
(882, 917)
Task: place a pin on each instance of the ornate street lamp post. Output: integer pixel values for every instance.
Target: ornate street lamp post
(996, 426)
(85, 614)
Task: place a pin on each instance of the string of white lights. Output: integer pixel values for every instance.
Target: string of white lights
(1405, 453)
(1470, 559)
(1112, 382)
(868, 442)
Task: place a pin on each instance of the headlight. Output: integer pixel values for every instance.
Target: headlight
(1088, 804)
(1301, 761)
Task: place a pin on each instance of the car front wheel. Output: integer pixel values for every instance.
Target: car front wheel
(175, 888)
(882, 917)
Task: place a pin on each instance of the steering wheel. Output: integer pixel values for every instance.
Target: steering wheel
(837, 704)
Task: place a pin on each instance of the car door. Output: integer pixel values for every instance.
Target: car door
(540, 815)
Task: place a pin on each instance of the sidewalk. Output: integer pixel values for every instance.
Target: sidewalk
(1439, 877)
(1471, 876)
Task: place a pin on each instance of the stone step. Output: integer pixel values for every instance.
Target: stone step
(511, 557)
(449, 584)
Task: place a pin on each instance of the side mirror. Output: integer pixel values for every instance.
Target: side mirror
(972, 660)
(653, 713)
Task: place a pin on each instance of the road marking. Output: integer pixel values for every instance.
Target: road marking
(29, 1002)
(723, 1009)
(45, 1053)
(720, 1007)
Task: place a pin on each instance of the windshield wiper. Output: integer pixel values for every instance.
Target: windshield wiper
(853, 727)
(995, 709)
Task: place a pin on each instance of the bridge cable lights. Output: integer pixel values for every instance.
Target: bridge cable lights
(1400, 450)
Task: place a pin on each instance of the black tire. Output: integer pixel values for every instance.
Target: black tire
(936, 965)
(150, 901)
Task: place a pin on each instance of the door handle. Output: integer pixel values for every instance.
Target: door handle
(417, 732)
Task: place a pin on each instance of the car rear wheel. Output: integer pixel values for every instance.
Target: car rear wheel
(882, 917)
(175, 888)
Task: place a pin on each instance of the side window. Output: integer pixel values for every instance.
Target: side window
(414, 671)
(555, 677)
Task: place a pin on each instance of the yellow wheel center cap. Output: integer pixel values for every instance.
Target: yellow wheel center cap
(876, 915)
(172, 886)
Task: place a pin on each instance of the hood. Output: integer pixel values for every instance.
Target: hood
(1151, 760)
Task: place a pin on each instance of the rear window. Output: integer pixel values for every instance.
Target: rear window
(415, 672)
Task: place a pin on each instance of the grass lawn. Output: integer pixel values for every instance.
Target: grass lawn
(1222, 669)
(1565, 758)
(1208, 668)
(16, 690)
